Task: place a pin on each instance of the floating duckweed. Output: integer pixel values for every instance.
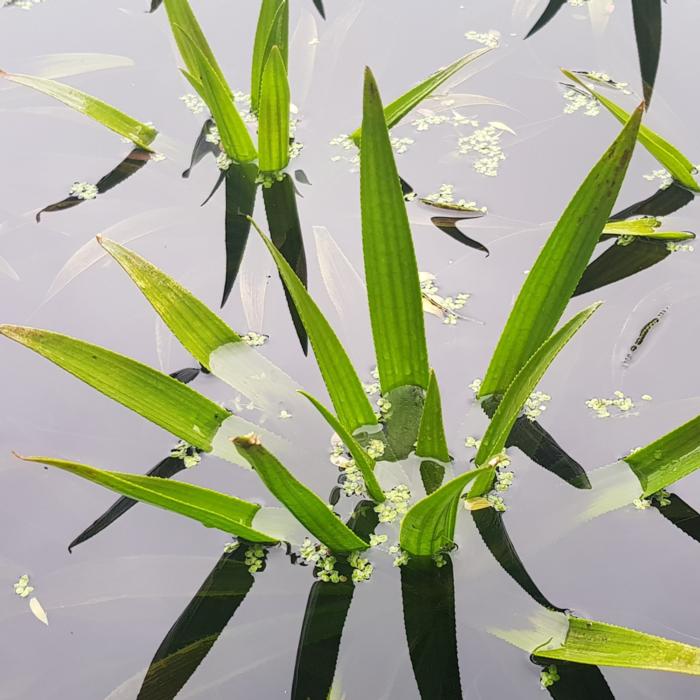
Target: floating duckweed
(352, 482)
(325, 568)
(377, 540)
(660, 174)
(213, 135)
(401, 558)
(662, 498)
(485, 142)
(646, 397)
(549, 676)
(254, 558)
(605, 79)
(624, 240)
(472, 442)
(375, 449)
(223, 162)
(295, 149)
(499, 461)
(400, 145)
(383, 404)
(22, 587)
(311, 552)
(157, 157)
(504, 480)
(445, 195)
(475, 385)
(189, 456)
(492, 38)
(439, 560)
(602, 407)
(641, 503)
(83, 190)
(361, 568)
(21, 4)
(577, 100)
(254, 339)
(193, 102)
(371, 388)
(679, 247)
(396, 504)
(269, 179)
(444, 307)
(231, 547)
(535, 404)
(345, 143)
(424, 123)
(497, 502)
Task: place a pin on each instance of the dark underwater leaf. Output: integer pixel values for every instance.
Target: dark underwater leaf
(428, 597)
(202, 147)
(285, 233)
(196, 630)
(130, 165)
(681, 515)
(647, 30)
(155, 4)
(448, 225)
(663, 202)
(553, 6)
(619, 262)
(578, 682)
(318, 4)
(492, 529)
(241, 190)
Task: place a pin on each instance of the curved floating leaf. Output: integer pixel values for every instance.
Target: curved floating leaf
(391, 271)
(198, 328)
(344, 387)
(362, 460)
(142, 135)
(667, 459)
(428, 597)
(429, 526)
(285, 233)
(164, 469)
(130, 165)
(619, 262)
(553, 6)
(560, 264)
(241, 190)
(645, 227)
(601, 644)
(647, 30)
(211, 508)
(156, 396)
(448, 225)
(199, 626)
(524, 383)
(400, 107)
(235, 139)
(273, 123)
(272, 30)
(301, 502)
(667, 155)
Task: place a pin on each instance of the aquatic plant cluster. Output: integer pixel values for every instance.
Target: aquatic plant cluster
(411, 502)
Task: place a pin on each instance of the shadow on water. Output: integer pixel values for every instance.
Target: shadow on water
(448, 225)
(202, 147)
(130, 165)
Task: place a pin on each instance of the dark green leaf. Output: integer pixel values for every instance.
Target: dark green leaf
(647, 30)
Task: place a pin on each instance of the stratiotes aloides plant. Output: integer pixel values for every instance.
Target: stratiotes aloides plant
(398, 460)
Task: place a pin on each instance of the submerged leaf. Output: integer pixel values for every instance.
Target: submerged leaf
(647, 30)
(663, 202)
(303, 503)
(202, 147)
(553, 6)
(211, 508)
(391, 272)
(142, 135)
(448, 225)
(560, 264)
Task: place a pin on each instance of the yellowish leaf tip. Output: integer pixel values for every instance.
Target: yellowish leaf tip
(247, 441)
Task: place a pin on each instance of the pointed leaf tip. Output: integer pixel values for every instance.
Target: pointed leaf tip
(247, 441)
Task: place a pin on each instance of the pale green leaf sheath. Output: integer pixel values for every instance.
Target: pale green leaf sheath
(667, 154)
(211, 508)
(363, 461)
(272, 30)
(391, 272)
(303, 503)
(344, 387)
(273, 130)
(400, 107)
(667, 459)
(560, 264)
(429, 525)
(142, 135)
(235, 138)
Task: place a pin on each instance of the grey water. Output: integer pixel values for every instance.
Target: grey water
(113, 599)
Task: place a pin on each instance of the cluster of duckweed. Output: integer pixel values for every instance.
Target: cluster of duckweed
(189, 456)
(445, 307)
(619, 404)
(576, 100)
(324, 562)
(395, 505)
(22, 587)
(535, 405)
(254, 339)
(679, 247)
(666, 179)
(361, 568)
(446, 195)
(549, 676)
(485, 142)
(193, 102)
(492, 38)
(83, 190)
(255, 558)
(223, 162)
